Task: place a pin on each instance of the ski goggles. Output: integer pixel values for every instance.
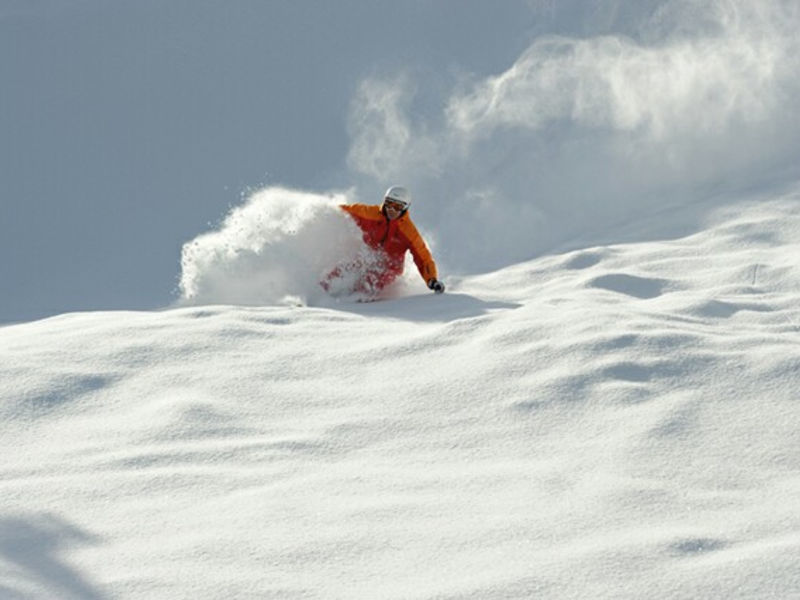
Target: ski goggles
(397, 205)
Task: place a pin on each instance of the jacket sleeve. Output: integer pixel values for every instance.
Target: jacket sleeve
(419, 250)
(356, 210)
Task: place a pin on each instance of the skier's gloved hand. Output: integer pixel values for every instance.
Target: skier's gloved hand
(436, 285)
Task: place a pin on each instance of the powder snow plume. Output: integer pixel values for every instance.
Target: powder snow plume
(652, 104)
(273, 249)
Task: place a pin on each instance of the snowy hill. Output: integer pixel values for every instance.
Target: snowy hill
(611, 421)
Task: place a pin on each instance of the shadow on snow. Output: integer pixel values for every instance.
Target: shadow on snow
(31, 548)
(427, 307)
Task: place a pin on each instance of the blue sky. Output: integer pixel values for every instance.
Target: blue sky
(127, 128)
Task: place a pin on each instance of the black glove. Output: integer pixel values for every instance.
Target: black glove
(436, 285)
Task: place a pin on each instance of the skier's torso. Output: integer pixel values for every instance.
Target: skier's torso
(392, 238)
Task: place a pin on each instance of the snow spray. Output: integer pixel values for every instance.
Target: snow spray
(273, 249)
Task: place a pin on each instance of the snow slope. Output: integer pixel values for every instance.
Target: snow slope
(609, 421)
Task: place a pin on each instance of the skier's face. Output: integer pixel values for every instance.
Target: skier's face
(392, 209)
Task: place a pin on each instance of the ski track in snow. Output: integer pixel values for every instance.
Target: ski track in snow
(618, 421)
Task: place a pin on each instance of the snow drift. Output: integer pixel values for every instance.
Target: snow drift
(619, 421)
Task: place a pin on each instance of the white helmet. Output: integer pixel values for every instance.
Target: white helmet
(398, 194)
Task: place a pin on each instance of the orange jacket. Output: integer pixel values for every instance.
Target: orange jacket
(393, 238)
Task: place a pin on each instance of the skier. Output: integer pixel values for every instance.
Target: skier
(389, 232)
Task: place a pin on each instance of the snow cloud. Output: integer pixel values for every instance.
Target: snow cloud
(386, 144)
(274, 248)
(583, 131)
(698, 87)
